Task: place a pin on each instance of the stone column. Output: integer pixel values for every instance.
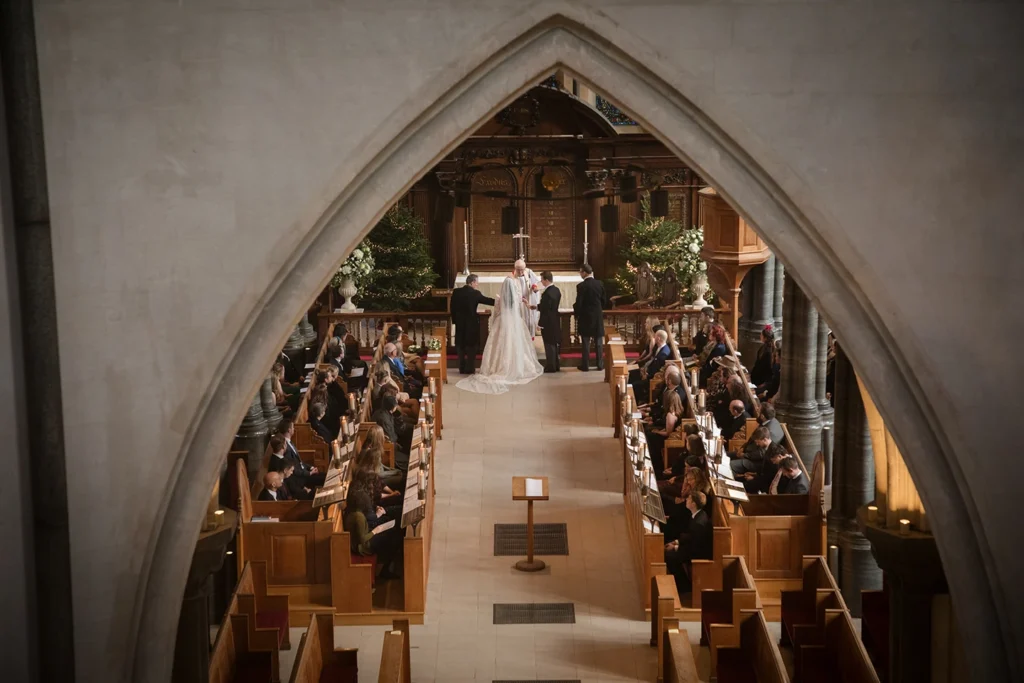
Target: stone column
(797, 403)
(914, 577)
(252, 437)
(295, 348)
(308, 331)
(269, 403)
(853, 486)
(192, 646)
(824, 405)
(777, 295)
(761, 283)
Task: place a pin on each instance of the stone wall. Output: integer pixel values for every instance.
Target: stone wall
(198, 151)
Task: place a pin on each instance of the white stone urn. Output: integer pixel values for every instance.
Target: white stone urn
(348, 290)
(700, 288)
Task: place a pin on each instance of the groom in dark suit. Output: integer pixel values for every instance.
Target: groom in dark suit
(589, 319)
(467, 323)
(551, 328)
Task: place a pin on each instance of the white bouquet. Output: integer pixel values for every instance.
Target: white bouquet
(356, 267)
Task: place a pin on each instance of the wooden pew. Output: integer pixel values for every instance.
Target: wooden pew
(664, 603)
(677, 664)
(615, 368)
(250, 635)
(394, 658)
(804, 609)
(308, 557)
(720, 609)
(318, 661)
(874, 626)
(840, 657)
(237, 658)
(612, 338)
(748, 654)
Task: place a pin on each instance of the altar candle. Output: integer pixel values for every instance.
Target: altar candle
(694, 379)
(433, 387)
(352, 403)
(872, 514)
(585, 231)
(904, 527)
(344, 426)
(218, 518)
(700, 400)
(465, 232)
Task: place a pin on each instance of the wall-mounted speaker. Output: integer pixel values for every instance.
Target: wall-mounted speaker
(627, 185)
(539, 191)
(659, 203)
(610, 218)
(462, 194)
(509, 219)
(444, 212)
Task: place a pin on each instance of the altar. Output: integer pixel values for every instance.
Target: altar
(490, 285)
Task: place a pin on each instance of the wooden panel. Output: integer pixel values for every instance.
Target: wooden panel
(291, 559)
(552, 224)
(772, 549)
(486, 243)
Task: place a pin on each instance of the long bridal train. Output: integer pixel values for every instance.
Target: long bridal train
(509, 355)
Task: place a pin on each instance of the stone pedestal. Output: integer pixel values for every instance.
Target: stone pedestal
(914, 576)
(268, 402)
(192, 647)
(308, 332)
(252, 437)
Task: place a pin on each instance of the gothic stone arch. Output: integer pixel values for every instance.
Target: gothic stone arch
(562, 42)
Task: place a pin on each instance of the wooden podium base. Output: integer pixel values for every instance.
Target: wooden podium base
(530, 566)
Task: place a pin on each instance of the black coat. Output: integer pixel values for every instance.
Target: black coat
(588, 308)
(791, 486)
(700, 542)
(762, 370)
(282, 495)
(551, 326)
(463, 305)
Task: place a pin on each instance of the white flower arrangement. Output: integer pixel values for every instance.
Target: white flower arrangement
(356, 267)
(434, 344)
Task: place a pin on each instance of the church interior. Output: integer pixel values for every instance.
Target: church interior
(732, 458)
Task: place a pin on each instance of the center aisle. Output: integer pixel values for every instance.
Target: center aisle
(556, 426)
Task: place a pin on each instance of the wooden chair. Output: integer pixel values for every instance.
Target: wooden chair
(644, 289)
(671, 290)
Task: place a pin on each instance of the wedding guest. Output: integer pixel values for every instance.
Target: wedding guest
(715, 348)
(366, 470)
(738, 421)
(316, 416)
(353, 368)
(295, 489)
(751, 463)
(286, 395)
(397, 431)
(590, 298)
(767, 419)
(767, 391)
(789, 479)
(762, 370)
(273, 489)
(463, 307)
(373, 451)
(550, 322)
(672, 409)
(694, 544)
(704, 323)
(361, 518)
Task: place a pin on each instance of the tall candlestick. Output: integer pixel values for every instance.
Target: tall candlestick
(352, 403)
(465, 247)
(585, 243)
(700, 400)
(694, 379)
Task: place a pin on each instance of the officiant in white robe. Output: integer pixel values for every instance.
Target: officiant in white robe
(529, 284)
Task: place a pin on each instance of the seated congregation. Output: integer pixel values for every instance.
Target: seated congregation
(338, 517)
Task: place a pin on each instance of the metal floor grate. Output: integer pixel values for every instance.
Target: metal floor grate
(534, 613)
(548, 539)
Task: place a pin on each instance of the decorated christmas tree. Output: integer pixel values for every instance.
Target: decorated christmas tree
(661, 242)
(404, 268)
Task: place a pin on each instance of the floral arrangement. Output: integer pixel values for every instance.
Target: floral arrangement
(434, 344)
(357, 267)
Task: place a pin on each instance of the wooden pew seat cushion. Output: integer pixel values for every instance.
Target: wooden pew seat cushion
(340, 670)
(370, 560)
(272, 619)
(254, 667)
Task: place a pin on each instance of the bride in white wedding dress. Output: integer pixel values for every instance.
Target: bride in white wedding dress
(509, 355)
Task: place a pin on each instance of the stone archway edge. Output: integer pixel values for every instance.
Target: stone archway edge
(408, 148)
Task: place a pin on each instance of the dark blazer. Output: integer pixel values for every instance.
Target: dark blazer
(778, 436)
(699, 546)
(700, 340)
(548, 308)
(589, 305)
(282, 494)
(321, 429)
(658, 362)
(277, 464)
(771, 387)
(734, 424)
(762, 370)
(463, 305)
(710, 365)
(790, 486)
(296, 491)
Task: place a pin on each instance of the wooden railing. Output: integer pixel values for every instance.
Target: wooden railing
(419, 326)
